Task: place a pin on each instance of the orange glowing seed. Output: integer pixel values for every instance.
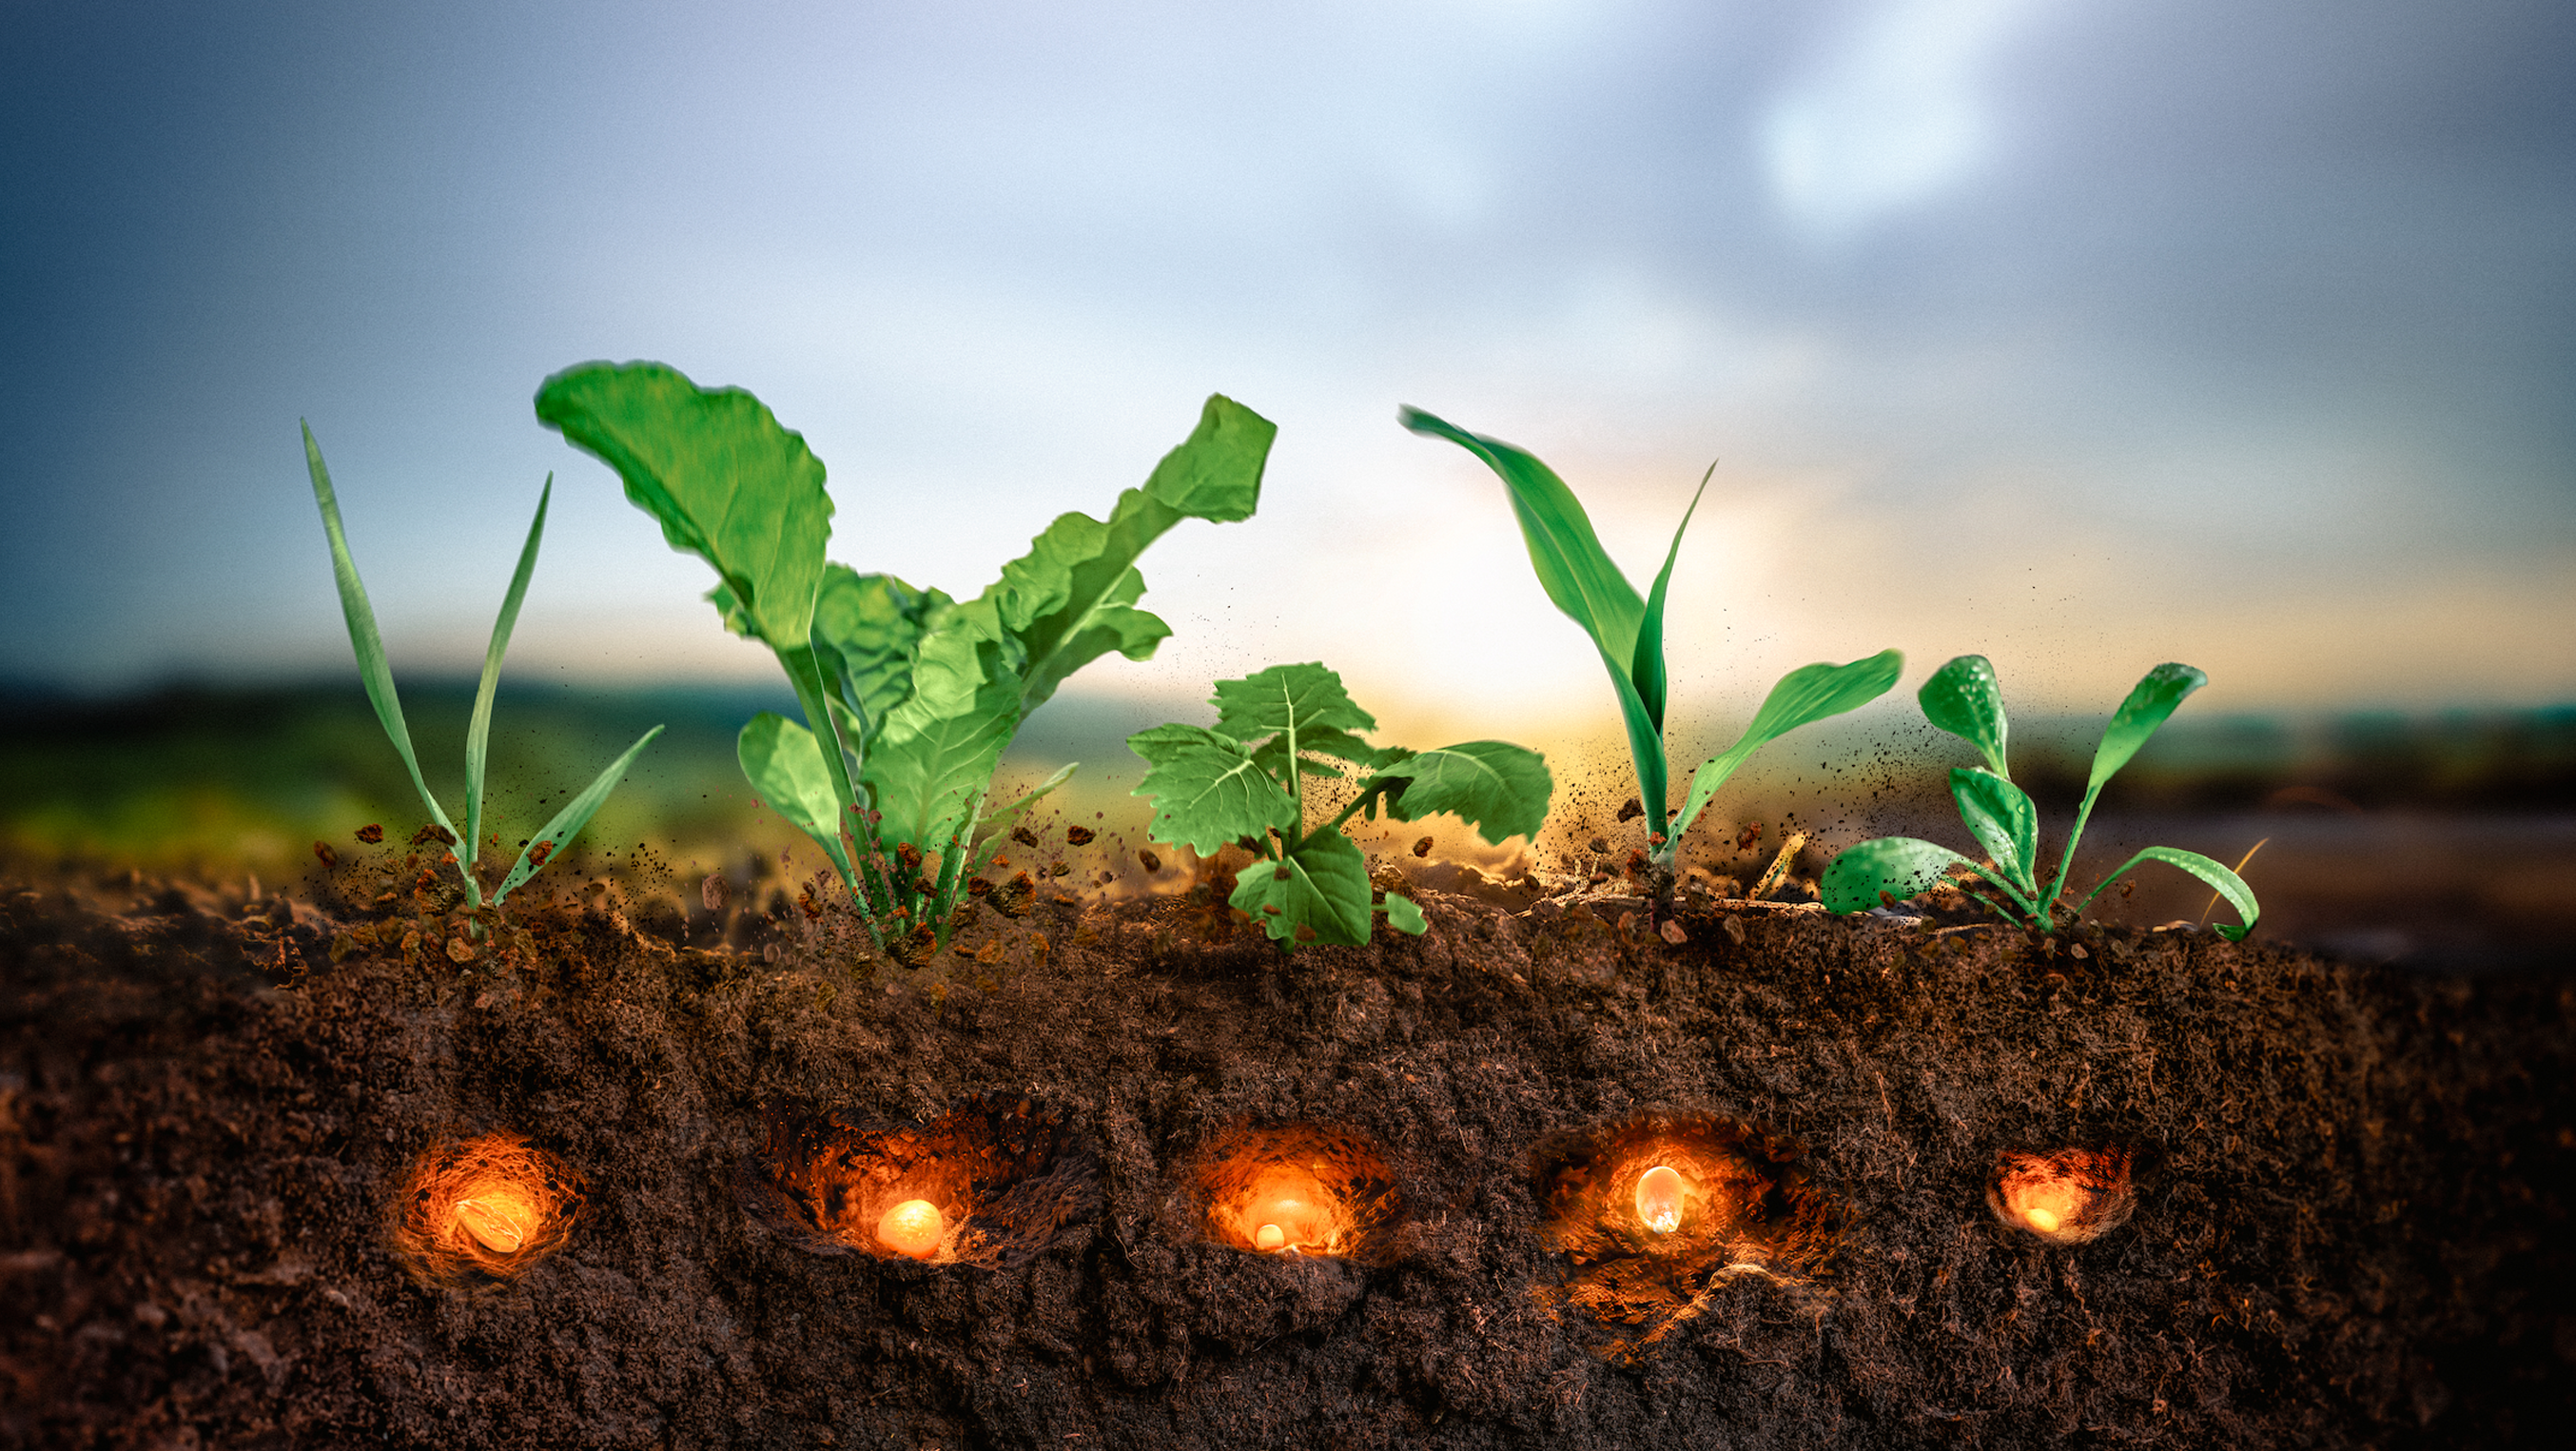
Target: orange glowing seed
(1268, 1236)
(2043, 1220)
(1659, 1199)
(2047, 1206)
(498, 1217)
(912, 1228)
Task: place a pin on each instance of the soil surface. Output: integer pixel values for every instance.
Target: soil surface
(221, 1110)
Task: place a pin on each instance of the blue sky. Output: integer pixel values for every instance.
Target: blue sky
(2085, 335)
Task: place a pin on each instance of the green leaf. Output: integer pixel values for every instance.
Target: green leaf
(1646, 669)
(1999, 815)
(1494, 786)
(1404, 914)
(1587, 587)
(1207, 789)
(1071, 598)
(931, 763)
(1899, 866)
(786, 770)
(1287, 699)
(1963, 699)
(2229, 885)
(1323, 885)
(364, 640)
(867, 628)
(727, 482)
(2153, 699)
(568, 822)
(478, 730)
(1804, 695)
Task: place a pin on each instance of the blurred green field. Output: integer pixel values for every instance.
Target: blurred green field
(220, 780)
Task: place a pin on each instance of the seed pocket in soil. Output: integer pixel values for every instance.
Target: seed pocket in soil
(992, 1182)
(477, 1211)
(2070, 1196)
(1654, 1213)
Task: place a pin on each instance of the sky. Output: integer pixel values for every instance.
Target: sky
(2081, 335)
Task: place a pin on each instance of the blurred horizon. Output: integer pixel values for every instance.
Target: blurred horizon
(2083, 336)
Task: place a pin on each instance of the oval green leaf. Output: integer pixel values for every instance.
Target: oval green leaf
(1999, 815)
(1963, 699)
(1900, 866)
(2156, 695)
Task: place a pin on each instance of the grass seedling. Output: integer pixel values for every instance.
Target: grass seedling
(1963, 699)
(1243, 780)
(379, 679)
(1588, 587)
(909, 697)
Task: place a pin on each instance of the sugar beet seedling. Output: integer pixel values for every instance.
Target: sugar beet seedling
(369, 646)
(1963, 699)
(909, 697)
(1588, 587)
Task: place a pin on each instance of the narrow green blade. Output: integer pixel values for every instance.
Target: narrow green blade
(2000, 816)
(1647, 667)
(1899, 866)
(1963, 699)
(478, 731)
(2228, 884)
(2155, 697)
(993, 827)
(569, 821)
(363, 638)
(1805, 695)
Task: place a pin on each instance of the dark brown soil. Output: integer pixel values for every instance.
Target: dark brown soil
(2350, 1222)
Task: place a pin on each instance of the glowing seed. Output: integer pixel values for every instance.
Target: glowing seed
(498, 1216)
(913, 1228)
(1268, 1237)
(2043, 1220)
(1659, 1199)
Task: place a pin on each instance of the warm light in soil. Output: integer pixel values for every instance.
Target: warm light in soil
(1659, 1199)
(1269, 1237)
(912, 1228)
(490, 1205)
(2065, 1197)
(1294, 1190)
(498, 1215)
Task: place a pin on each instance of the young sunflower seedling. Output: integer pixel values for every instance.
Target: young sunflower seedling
(1588, 587)
(1242, 780)
(909, 697)
(379, 680)
(1963, 699)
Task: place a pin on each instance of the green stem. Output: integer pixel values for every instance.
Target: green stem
(806, 674)
(2066, 863)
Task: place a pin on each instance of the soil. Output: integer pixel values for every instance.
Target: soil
(224, 1112)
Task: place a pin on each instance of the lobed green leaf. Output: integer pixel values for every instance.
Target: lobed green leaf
(1207, 789)
(1494, 786)
(1288, 699)
(1322, 885)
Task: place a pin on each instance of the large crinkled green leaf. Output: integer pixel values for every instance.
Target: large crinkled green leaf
(786, 770)
(2150, 702)
(1963, 699)
(1891, 867)
(1494, 786)
(2228, 884)
(1288, 699)
(1071, 598)
(1207, 789)
(928, 768)
(1805, 695)
(2000, 816)
(866, 630)
(727, 482)
(1323, 885)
